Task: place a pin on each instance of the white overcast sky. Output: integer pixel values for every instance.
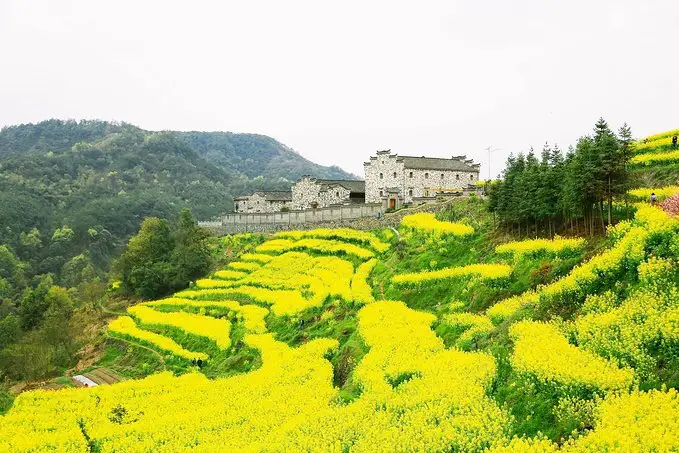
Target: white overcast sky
(338, 80)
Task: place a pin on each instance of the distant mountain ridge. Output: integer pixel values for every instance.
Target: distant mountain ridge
(109, 176)
(257, 155)
(252, 155)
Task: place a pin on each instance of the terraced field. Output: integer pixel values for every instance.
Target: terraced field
(340, 366)
(655, 162)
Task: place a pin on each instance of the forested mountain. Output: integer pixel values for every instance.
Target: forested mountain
(91, 173)
(99, 180)
(257, 155)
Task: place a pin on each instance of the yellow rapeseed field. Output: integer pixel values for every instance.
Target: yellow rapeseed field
(426, 221)
(125, 326)
(483, 271)
(542, 352)
(555, 246)
(413, 392)
(215, 329)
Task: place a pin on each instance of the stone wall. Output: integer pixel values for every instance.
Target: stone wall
(366, 223)
(291, 220)
(307, 191)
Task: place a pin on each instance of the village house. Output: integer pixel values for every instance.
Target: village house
(390, 180)
(264, 201)
(311, 193)
(395, 180)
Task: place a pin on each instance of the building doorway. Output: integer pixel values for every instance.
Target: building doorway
(392, 203)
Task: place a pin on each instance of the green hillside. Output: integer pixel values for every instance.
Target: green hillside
(443, 337)
(656, 162)
(107, 177)
(527, 320)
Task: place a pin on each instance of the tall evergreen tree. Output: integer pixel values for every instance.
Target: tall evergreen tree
(611, 163)
(563, 189)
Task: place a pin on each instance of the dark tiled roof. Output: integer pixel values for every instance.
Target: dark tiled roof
(269, 195)
(350, 185)
(276, 195)
(436, 163)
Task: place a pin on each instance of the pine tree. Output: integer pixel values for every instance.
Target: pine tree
(626, 153)
(609, 156)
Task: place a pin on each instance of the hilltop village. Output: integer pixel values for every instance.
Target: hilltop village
(390, 180)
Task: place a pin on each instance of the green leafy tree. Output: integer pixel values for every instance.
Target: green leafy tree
(163, 258)
(56, 327)
(73, 272)
(145, 266)
(29, 243)
(34, 305)
(10, 330)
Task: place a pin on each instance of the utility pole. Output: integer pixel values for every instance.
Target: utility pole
(490, 150)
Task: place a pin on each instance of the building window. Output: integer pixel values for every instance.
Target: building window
(381, 176)
(380, 193)
(337, 194)
(471, 177)
(426, 176)
(441, 175)
(411, 174)
(410, 192)
(394, 175)
(457, 177)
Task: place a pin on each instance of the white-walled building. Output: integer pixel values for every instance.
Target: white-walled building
(310, 193)
(394, 180)
(264, 201)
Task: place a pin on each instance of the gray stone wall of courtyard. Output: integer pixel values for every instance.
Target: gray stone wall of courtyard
(264, 223)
